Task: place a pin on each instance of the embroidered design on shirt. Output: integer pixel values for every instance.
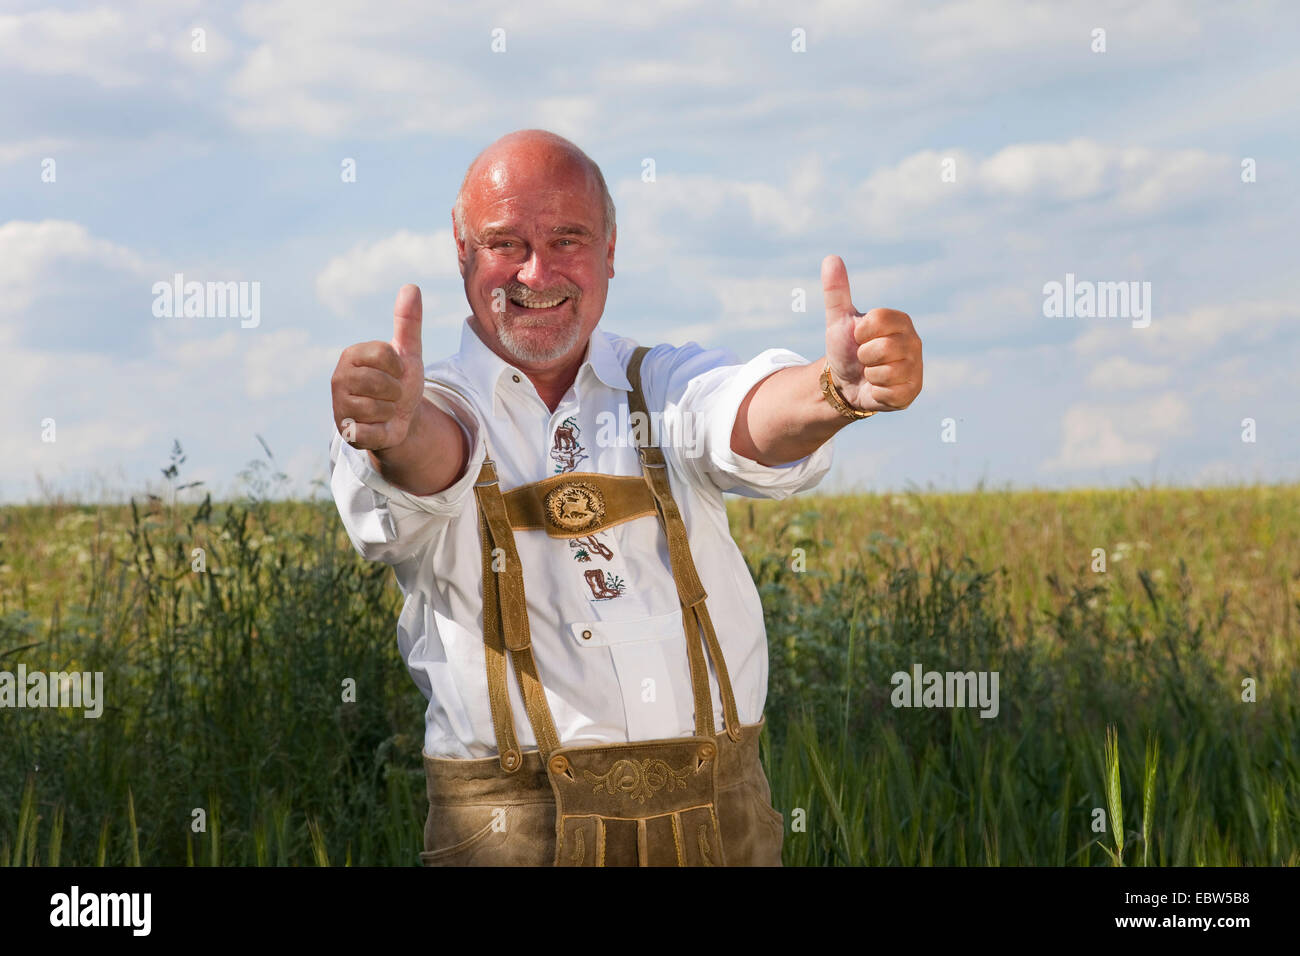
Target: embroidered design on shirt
(566, 452)
(638, 778)
(603, 588)
(584, 548)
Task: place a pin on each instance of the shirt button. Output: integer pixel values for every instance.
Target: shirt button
(515, 377)
(586, 635)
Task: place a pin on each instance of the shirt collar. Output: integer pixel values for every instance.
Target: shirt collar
(484, 368)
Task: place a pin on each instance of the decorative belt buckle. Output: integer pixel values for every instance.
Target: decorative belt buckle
(575, 506)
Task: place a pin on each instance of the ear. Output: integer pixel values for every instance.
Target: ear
(460, 246)
(609, 254)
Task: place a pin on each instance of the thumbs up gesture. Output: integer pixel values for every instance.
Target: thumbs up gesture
(875, 358)
(378, 386)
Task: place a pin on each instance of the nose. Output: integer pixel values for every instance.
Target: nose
(536, 271)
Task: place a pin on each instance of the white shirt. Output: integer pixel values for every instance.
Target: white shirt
(630, 680)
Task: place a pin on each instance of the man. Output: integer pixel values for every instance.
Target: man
(551, 501)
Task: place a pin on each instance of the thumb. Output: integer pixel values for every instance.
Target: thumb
(407, 317)
(835, 289)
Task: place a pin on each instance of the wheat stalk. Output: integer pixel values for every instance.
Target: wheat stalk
(1114, 806)
(1149, 795)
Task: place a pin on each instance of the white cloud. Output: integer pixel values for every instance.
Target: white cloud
(1090, 439)
(111, 45)
(910, 198)
(664, 73)
(284, 362)
(1187, 334)
(749, 305)
(675, 199)
(1094, 435)
(1164, 415)
(1239, 100)
(1134, 178)
(570, 116)
(953, 374)
(1118, 373)
(32, 253)
(97, 44)
(1074, 170)
(97, 416)
(385, 265)
(330, 75)
(891, 198)
(41, 146)
(187, 354)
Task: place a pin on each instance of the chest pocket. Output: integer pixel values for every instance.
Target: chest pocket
(649, 658)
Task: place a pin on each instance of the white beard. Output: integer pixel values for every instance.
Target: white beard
(523, 351)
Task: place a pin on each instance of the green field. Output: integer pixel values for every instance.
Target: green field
(224, 686)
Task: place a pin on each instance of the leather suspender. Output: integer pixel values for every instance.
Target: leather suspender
(695, 614)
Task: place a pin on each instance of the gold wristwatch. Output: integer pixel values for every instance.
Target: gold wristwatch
(837, 399)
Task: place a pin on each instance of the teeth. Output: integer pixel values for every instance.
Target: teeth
(540, 303)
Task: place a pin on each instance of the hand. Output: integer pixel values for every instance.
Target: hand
(875, 358)
(378, 386)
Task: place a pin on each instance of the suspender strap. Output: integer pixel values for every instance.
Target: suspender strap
(695, 613)
(505, 589)
(494, 651)
(655, 469)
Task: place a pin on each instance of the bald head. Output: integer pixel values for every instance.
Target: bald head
(534, 232)
(528, 157)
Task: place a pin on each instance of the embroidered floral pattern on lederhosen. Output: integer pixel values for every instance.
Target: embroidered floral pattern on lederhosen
(642, 803)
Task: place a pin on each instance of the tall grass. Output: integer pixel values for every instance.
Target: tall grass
(224, 738)
(883, 785)
(226, 741)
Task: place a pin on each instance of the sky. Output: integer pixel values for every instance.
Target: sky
(961, 158)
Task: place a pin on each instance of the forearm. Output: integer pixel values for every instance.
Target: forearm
(431, 459)
(785, 417)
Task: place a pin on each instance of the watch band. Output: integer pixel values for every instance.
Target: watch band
(836, 398)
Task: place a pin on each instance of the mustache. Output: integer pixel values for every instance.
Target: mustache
(517, 290)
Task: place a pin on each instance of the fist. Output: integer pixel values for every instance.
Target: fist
(377, 386)
(875, 358)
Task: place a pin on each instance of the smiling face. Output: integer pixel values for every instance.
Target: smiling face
(535, 258)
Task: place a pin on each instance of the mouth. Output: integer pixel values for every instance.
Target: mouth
(540, 305)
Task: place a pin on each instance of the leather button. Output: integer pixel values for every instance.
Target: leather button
(586, 635)
(559, 765)
(510, 759)
(707, 751)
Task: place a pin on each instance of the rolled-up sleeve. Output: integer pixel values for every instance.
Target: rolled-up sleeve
(385, 522)
(705, 390)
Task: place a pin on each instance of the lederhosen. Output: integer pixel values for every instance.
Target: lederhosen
(685, 801)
